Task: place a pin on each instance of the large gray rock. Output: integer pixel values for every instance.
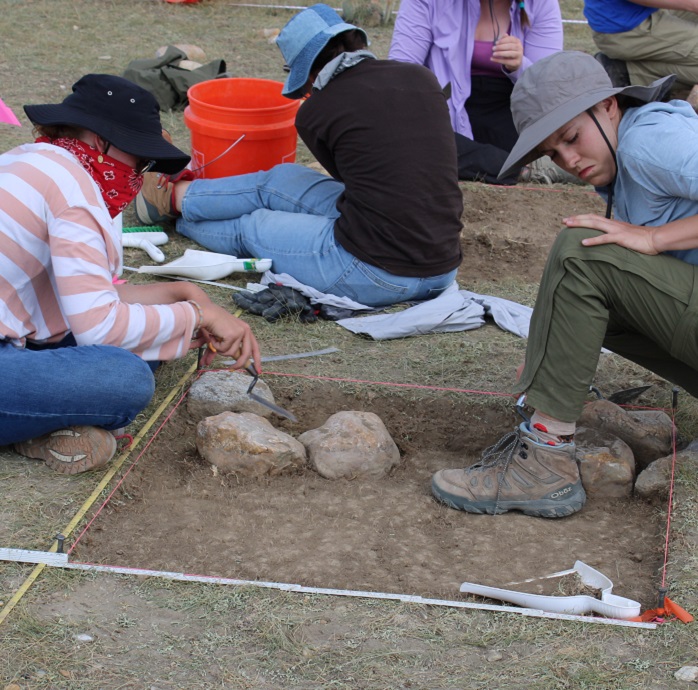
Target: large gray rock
(653, 482)
(351, 444)
(647, 432)
(689, 674)
(606, 464)
(247, 445)
(226, 391)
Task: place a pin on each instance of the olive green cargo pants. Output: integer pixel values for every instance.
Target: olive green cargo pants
(644, 308)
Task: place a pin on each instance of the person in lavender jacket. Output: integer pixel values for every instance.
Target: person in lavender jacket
(477, 49)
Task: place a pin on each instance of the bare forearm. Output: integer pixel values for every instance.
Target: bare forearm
(679, 234)
(680, 5)
(161, 293)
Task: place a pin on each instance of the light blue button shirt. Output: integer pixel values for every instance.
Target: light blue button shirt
(657, 157)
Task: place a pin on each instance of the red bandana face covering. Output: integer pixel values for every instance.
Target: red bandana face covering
(118, 182)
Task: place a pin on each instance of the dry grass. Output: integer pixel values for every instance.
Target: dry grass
(156, 634)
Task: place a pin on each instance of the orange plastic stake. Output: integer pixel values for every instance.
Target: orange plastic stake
(669, 610)
(674, 609)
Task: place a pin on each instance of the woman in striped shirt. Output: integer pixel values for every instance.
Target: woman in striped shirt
(75, 347)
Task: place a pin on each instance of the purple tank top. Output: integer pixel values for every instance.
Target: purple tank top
(482, 65)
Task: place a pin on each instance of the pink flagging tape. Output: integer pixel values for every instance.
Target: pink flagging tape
(6, 115)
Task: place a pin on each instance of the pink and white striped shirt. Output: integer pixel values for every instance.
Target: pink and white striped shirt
(59, 251)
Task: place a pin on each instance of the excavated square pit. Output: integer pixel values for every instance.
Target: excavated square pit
(389, 535)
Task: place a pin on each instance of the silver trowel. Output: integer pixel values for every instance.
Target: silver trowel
(252, 371)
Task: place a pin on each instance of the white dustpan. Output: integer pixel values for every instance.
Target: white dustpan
(609, 605)
(201, 265)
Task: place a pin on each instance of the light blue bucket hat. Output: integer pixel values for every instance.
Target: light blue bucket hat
(302, 40)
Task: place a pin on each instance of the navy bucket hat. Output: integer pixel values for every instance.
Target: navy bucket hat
(302, 40)
(119, 111)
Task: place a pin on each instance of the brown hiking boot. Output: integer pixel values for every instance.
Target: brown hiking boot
(519, 472)
(72, 450)
(154, 202)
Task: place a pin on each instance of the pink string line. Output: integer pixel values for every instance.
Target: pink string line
(671, 498)
(386, 383)
(424, 387)
(380, 383)
(128, 471)
(541, 189)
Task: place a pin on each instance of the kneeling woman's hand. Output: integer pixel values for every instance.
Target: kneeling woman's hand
(228, 335)
(508, 52)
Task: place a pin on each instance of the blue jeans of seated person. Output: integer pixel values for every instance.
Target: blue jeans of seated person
(53, 387)
(287, 214)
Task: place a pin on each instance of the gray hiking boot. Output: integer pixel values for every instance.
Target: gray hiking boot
(519, 472)
(544, 171)
(72, 450)
(617, 70)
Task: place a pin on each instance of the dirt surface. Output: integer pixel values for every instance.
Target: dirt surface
(153, 634)
(507, 231)
(174, 513)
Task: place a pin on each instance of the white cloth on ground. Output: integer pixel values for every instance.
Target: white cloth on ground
(453, 310)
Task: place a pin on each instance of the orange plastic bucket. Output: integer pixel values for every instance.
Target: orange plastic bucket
(250, 111)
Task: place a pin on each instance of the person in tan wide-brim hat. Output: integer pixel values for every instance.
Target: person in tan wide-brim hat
(77, 350)
(629, 283)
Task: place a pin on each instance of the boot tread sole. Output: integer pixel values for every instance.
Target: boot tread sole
(549, 508)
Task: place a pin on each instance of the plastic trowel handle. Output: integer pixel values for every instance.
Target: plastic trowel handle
(132, 240)
(156, 237)
(252, 265)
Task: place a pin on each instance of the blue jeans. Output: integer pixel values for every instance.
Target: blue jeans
(287, 214)
(63, 385)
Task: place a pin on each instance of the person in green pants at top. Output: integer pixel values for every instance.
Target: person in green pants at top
(629, 284)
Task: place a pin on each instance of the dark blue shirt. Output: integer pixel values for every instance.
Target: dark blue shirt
(615, 16)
